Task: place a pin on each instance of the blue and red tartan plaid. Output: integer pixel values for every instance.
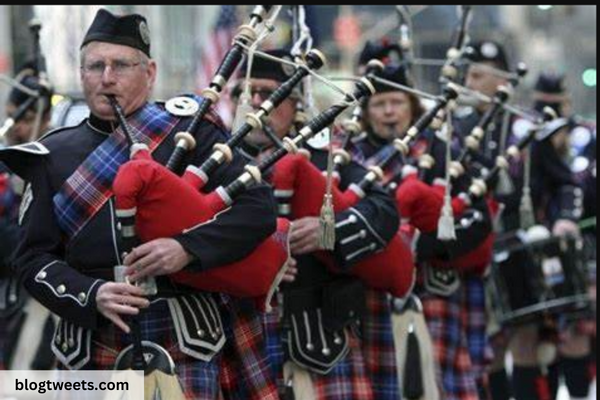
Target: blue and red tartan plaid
(349, 380)
(458, 329)
(378, 344)
(379, 348)
(9, 201)
(394, 169)
(199, 379)
(90, 186)
(245, 373)
(241, 372)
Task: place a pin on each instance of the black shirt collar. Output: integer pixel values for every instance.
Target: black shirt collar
(101, 125)
(376, 141)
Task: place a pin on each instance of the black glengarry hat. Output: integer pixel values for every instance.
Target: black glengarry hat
(393, 73)
(550, 91)
(383, 50)
(264, 68)
(127, 30)
(489, 51)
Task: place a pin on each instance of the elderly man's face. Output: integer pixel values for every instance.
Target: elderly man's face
(483, 80)
(121, 71)
(280, 120)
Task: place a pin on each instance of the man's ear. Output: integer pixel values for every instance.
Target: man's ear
(151, 71)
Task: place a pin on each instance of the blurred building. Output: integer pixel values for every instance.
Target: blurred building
(562, 38)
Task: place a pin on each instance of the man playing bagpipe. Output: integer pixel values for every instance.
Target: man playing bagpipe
(386, 108)
(17, 313)
(488, 73)
(71, 235)
(313, 346)
(453, 303)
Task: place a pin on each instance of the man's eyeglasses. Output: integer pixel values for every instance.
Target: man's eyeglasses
(118, 67)
(263, 94)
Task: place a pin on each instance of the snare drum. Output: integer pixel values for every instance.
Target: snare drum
(531, 280)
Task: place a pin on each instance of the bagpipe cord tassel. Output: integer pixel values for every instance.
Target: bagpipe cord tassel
(446, 229)
(327, 218)
(244, 106)
(280, 275)
(526, 212)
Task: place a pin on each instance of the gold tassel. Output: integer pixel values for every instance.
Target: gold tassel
(327, 221)
(446, 229)
(280, 275)
(506, 186)
(526, 210)
(526, 213)
(327, 218)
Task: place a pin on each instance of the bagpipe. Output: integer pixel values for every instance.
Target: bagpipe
(456, 52)
(245, 36)
(413, 195)
(303, 186)
(392, 269)
(417, 200)
(420, 202)
(474, 139)
(144, 190)
(480, 186)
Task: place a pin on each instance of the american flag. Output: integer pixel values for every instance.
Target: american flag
(214, 51)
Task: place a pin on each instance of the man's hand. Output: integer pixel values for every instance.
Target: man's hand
(155, 258)
(292, 271)
(116, 299)
(306, 235)
(564, 227)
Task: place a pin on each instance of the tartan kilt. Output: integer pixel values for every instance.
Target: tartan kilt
(349, 380)
(458, 325)
(199, 379)
(245, 370)
(378, 347)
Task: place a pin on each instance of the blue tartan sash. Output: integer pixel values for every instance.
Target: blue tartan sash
(86, 191)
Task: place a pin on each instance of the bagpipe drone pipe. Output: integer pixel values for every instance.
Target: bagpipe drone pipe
(390, 270)
(147, 192)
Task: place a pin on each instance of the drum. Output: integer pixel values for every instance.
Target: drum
(533, 279)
